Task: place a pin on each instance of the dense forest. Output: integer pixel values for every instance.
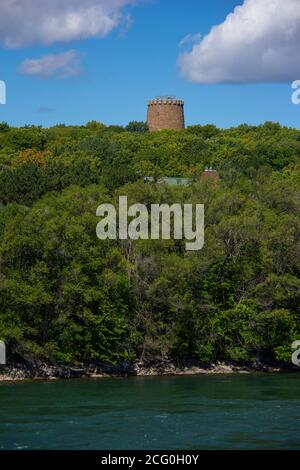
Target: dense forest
(67, 297)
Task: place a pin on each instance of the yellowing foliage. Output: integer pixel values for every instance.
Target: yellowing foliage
(30, 155)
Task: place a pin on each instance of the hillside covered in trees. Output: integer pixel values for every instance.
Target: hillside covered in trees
(67, 297)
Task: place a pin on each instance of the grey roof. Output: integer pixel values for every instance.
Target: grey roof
(170, 181)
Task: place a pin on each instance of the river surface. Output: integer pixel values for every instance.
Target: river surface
(253, 411)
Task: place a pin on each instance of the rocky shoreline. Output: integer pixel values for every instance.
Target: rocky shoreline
(39, 370)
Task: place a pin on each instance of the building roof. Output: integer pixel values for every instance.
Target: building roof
(170, 181)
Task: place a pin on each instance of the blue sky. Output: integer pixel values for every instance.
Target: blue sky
(138, 60)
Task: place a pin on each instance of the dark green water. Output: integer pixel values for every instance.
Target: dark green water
(196, 412)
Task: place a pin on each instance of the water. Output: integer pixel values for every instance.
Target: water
(183, 412)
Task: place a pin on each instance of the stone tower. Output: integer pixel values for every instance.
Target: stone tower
(165, 113)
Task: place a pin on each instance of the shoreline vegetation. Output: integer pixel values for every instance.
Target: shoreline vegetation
(68, 298)
(164, 367)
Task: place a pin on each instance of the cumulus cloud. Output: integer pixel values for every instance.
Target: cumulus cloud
(45, 22)
(66, 64)
(257, 42)
(190, 39)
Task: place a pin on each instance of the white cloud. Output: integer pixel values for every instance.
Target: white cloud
(62, 65)
(258, 42)
(26, 22)
(190, 39)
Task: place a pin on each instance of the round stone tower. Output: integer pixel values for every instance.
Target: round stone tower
(165, 113)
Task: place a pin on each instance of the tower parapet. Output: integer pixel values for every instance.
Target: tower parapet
(165, 112)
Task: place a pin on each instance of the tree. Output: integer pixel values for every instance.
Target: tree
(137, 126)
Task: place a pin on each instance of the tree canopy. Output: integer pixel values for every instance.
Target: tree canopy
(66, 296)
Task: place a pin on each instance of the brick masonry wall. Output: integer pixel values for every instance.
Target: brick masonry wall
(165, 114)
(207, 174)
